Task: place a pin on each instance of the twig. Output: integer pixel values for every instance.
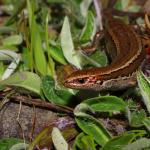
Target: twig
(18, 116)
(33, 124)
(5, 99)
(40, 103)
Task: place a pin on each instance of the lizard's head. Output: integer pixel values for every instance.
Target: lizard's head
(78, 81)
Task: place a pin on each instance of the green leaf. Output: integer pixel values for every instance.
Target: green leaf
(135, 8)
(82, 108)
(144, 85)
(137, 118)
(12, 40)
(78, 143)
(25, 59)
(30, 11)
(122, 4)
(140, 144)
(24, 80)
(36, 49)
(100, 57)
(85, 142)
(58, 140)
(19, 146)
(146, 122)
(119, 142)
(62, 97)
(6, 144)
(68, 47)
(106, 104)
(7, 30)
(57, 54)
(84, 6)
(127, 5)
(89, 29)
(10, 56)
(56, 1)
(94, 128)
(39, 57)
(2, 68)
(88, 143)
(97, 59)
(51, 63)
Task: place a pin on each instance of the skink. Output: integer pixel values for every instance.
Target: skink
(127, 57)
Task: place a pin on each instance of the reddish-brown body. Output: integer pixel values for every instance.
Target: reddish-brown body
(127, 57)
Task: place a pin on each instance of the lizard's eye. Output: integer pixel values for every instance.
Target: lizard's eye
(82, 80)
(146, 46)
